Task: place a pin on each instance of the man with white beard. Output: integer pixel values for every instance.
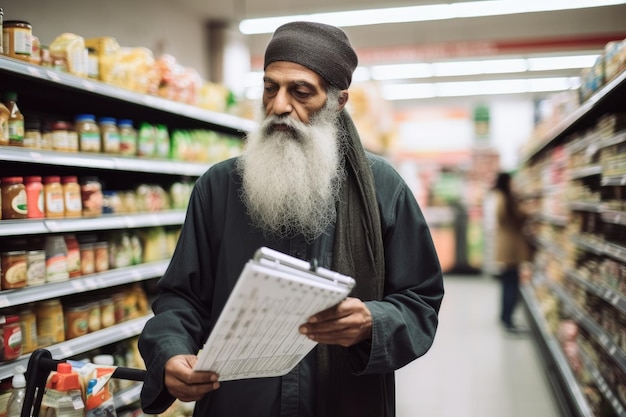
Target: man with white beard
(304, 186)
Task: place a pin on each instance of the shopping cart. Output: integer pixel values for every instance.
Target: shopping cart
(40, 364)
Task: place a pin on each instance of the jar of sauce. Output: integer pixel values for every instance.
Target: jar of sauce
(92, 198)
(109, 134)
(13, 264)
(60, 136)
(53, 197)
(34, 197)
(11, 337)
(13, 198)
(17, 39)
(50, 322)
(72, 199)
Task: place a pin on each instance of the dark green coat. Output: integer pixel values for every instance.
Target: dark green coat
(215, 243)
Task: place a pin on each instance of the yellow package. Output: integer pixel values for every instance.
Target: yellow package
(68, 53)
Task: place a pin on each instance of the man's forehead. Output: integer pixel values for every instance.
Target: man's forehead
(285, 71)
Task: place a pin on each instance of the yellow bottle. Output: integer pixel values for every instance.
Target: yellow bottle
(16, 120)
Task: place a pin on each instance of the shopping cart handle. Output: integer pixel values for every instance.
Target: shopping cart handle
(40, 364)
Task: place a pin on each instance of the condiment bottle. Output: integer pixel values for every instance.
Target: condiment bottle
(50, 322)
(34, 197)
(53, 197)
(32, 133)
(13, 198)
(16, 119)
(73, 256)
(17, 39)
(13, 264)
(71, 196)
(60, 138)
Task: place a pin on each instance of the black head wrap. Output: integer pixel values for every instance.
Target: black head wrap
(322, 48)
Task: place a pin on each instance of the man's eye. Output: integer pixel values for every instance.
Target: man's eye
(301, 94)
(270, 89)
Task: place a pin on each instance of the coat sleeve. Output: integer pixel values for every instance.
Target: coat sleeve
(182, 317)
(406, 319)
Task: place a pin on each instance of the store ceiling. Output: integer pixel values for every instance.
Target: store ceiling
(582, 29)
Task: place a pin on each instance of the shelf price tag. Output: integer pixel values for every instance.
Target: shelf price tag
(53, 75)
(4, 301)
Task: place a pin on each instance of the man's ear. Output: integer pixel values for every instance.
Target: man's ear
(343, 99)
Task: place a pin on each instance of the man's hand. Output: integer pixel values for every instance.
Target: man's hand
(345, 324)
(186, 384)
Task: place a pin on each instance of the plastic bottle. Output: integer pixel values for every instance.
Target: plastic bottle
(63, 396)
(16, 119)
(18, 393)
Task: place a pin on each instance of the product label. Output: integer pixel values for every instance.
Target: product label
(111, 142)
(90, 142)
(56, 268)
(128, 144)
(4, 131)
(60, 140)
(36, 269)
(15, 338)
(73, 201)
(16, 273)
(21, 39)
(19, 203)
(54, 202)
(16, 130)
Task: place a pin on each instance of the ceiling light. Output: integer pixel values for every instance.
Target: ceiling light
(423, 13)
(478, 88)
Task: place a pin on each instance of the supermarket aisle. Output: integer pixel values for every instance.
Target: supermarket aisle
(475, 369)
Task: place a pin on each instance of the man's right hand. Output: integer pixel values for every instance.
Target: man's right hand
(186, 384)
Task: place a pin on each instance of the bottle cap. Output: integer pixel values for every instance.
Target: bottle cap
(19, 381)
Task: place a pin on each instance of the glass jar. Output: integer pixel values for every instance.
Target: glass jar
(128, 137)
(88, 133)
(56, 259)
(11, 337)
(13, 264)
(50, 322)
(109, 134)
(60, 139)
(91, 195)
(34, 197)
(72, 199)
(72, 138)
(17, 39)
(53, 197)
(13, 198)
(32, 133)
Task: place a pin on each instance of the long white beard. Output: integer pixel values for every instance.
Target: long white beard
(291, 179)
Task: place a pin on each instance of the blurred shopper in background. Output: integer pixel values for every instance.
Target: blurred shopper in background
(511, 249)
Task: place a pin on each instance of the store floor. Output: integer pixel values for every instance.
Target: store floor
(475, 368)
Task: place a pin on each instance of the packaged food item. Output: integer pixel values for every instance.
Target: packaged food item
(87, 259)
(88, 133)
(72, 199)
(16, 119)
(107, 312)
(109, 134)
(35, 54)
(17, 39)
(32, 133)
(60, 136)
(28, 323)
(13, 265)
(50, 322)
(11, 337)
(91, 194)
(4, 125)
(128, 137)
(101, 254)
(53, 196)
(35, 267)
(56, 259)
(68, 53)
(13, 198)
(162, 142)
(76, 320)
(63, 395)
(146, 140)
(93, 64)
(72, 138)
(73, 256)
(94, 321)
(34, 197)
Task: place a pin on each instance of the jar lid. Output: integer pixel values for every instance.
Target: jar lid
(9, 319)
(12, 180)
(54, 178)
(59, 125)
(68, 179)
(32, 178)
(84, 117)
(16, 23)
(125, 122)
(107, 120)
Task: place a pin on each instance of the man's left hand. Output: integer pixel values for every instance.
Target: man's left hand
(345, 324)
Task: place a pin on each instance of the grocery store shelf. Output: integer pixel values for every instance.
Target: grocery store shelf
(585, 172)
(565, 384)
(92, 282)
(614, 217)
(49, 76)
(616, 139)
(85, 224)
(587, 244)
(561, 129)
(82, 344)
(100, 161)
(610, 295)
(605, 388)
(594, 329)
(614, 180)
(589, 206)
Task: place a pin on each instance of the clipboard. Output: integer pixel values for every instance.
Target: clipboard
(256, 335)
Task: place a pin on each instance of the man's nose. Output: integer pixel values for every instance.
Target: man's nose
(282, 103)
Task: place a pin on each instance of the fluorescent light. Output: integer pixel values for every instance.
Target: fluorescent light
(478, 88)
(485, 66)
(423, 13)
